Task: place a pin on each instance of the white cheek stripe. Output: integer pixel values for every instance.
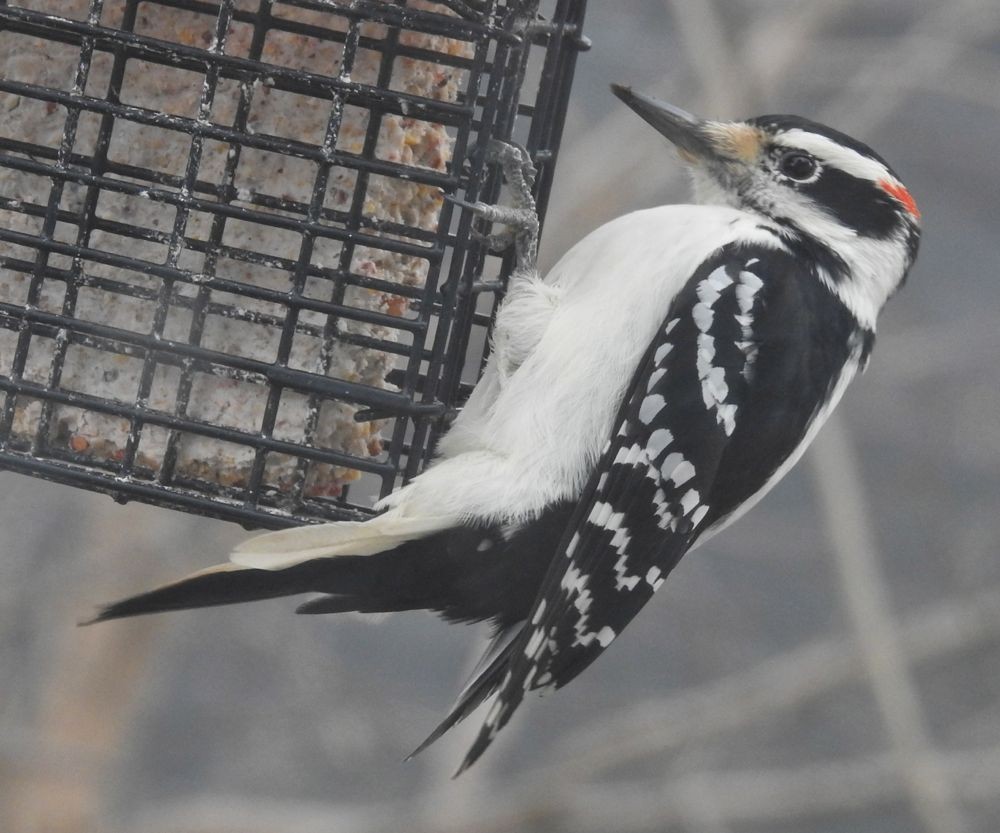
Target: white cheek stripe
(826, 150)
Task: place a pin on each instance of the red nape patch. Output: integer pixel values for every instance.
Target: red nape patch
(898, 191)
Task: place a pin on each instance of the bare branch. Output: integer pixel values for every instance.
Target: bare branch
(785, 681)
(869, 606)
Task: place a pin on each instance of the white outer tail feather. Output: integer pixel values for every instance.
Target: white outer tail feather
(288, 547)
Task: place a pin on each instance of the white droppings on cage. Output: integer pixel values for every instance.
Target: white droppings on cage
(235, 325)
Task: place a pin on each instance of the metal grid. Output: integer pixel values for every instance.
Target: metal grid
(177, 276)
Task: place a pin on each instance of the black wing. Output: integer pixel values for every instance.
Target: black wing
(726, 391)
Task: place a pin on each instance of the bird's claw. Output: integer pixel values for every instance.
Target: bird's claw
(496, 242)
(475, 207)
(518, 168)
(520, 217)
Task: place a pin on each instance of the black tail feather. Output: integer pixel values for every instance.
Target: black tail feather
(466, 574)
(218, 586)
(475, 693)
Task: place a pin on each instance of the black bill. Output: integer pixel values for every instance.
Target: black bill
(679, 126)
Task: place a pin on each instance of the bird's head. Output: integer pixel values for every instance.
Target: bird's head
(825, 192)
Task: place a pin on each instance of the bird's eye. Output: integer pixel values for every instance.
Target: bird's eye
(797, 165)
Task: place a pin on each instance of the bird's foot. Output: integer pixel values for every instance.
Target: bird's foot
(518, 170)
(520, 217)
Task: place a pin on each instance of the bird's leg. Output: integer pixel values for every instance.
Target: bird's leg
(520, 217)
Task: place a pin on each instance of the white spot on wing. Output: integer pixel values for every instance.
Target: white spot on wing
(689, 501)
(624, 581)
(699, 515)
(703, 316)
(650, 407)
(605, 636)
(620, 541)
(655, 377)
(573, 580)
(670, 464)
(654, 578)
(714, 388)
(706, 352)
(572, 545)
(662, 510)
(599, 513)
(534, 644)
(683, 473)
(657, 442)
(746, 291)
(746, 296)
(727, 414)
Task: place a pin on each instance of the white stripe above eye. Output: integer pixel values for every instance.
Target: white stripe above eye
(829, 152)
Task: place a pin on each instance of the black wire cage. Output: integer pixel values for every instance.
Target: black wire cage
(229, 281)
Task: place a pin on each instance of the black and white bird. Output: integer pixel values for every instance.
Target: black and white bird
(648, 391)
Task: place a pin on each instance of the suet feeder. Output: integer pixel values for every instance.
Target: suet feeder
(229, 281)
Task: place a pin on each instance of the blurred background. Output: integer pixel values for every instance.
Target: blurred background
(830, 664)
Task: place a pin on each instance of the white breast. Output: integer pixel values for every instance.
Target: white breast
(532, 438)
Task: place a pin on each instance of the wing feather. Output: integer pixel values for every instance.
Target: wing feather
(666, 474)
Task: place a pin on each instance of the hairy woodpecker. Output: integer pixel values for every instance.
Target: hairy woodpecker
(665, 374)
